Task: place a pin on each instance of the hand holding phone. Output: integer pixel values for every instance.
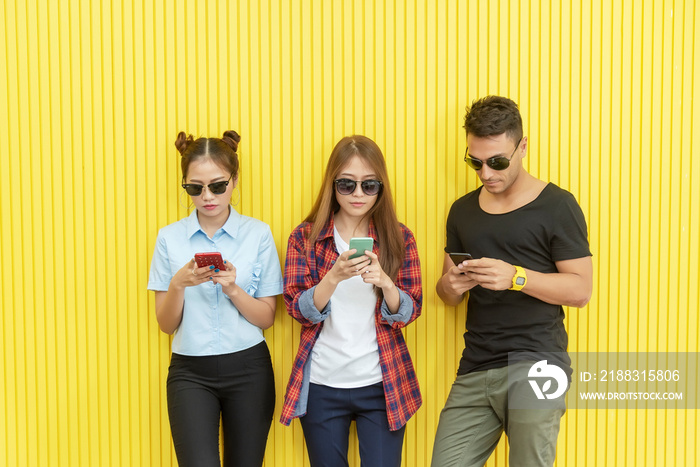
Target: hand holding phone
(210, 259)
(360, 244)
(457, 258)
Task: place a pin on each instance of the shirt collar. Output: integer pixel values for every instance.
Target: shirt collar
(327, 231)
(231, 225)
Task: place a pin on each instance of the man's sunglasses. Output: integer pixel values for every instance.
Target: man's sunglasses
(345, 186)
(495, 162)
(217, 188)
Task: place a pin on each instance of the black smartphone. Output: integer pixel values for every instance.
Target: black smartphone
(457, 258)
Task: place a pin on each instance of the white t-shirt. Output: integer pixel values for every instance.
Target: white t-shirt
(346, 354)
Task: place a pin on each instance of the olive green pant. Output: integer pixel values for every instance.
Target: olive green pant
(477, 412)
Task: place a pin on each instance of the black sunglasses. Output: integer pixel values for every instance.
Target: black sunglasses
(495, 162)
(345, 186)
(217, 188)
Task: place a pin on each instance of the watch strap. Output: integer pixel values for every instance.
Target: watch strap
(519, 279)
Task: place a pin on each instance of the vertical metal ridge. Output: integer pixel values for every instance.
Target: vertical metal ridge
(8, 390)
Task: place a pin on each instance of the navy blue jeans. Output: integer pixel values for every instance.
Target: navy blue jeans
(239, 389)
(327, 421)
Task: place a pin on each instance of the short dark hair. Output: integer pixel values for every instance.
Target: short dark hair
(494, 115)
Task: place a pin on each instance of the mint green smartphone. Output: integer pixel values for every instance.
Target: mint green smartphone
(361, 244)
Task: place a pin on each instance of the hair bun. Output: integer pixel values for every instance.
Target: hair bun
(232, 139)
(183, 141)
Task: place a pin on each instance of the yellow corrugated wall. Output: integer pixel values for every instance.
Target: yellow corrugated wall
(93, 93)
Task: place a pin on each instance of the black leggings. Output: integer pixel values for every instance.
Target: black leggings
(238, 387)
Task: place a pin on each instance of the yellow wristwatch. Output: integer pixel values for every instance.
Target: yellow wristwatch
(519, 279)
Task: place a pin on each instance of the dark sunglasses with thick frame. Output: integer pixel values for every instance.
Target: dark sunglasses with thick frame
(345, 186)
(217, 188)
(495, 162)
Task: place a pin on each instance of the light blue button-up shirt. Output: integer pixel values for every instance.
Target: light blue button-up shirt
(211, 324)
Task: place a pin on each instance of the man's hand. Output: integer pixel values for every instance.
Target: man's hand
(457, 281)
(492, 274)
(454, 282)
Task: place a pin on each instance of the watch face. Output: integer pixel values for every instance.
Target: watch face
(520, 281)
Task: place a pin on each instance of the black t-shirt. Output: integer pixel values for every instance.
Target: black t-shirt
(551, 228)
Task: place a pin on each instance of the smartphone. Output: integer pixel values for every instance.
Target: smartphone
(210, 259)
(457, 258)
(361, 244)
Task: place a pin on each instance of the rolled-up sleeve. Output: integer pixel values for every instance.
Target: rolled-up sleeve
(404, 313)
(308, 308)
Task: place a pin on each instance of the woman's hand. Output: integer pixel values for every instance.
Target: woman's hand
(227, 279)
(345, 268)
(190, 275)
(375, 275)
(258, 311)
(169, 305)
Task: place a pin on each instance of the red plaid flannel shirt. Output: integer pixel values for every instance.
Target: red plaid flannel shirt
(303, 271)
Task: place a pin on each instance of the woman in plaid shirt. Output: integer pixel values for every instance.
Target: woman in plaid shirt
(353, 363)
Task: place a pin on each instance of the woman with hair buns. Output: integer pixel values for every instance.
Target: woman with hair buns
(353, 362)
(220, 366)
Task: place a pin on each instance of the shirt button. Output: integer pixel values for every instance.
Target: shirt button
(333, 262)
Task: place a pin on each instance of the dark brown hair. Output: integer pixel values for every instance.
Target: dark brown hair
(222, 151)
(494, 115)
(389, 234)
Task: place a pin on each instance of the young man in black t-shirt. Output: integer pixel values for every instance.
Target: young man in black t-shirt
(531, 256)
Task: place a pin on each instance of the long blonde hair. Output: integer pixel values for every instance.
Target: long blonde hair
(390, 237)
